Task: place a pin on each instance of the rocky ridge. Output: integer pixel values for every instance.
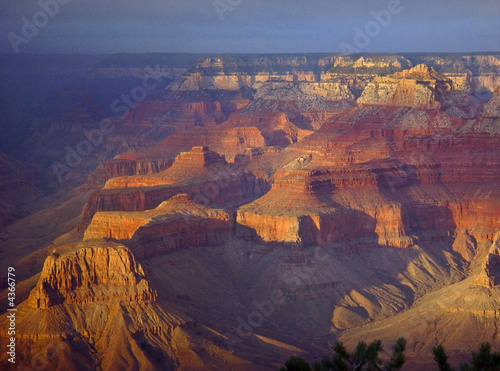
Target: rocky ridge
(361, 213)
(91, 273)
(176, 223)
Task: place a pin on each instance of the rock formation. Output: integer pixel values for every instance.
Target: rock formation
(127, 165)
(201, 173)
(492, 108)
(337, 197)
(490, 269)
(91, 273)
(88, 273)
(420, 87)
(176, 223)
(94, 297)
(228, 141)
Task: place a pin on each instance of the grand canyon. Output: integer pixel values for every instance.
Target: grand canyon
(223, 212)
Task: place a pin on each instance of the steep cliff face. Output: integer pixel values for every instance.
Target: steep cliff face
(420, 87)
(94, 297)
(346, 173)
(317, 206)
(307, 105)
(174, 232)
(85, 273)
(225, 140)
(196, 163)
(199, 81)
(118, 225)
(300, 209)
(489, 275)
(377, 65)
(484, 84)
(362, 189)
(201, 173)
(176, 223)
(232, 73)
(126, 165)
(492, 108)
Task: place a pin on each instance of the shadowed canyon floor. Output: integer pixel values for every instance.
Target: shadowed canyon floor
(262, 206)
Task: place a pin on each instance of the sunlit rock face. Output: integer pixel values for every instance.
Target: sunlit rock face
(489, 275)
(361, 189)
(420, 87)
(91, 273)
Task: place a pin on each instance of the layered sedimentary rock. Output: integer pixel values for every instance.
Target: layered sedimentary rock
(118, 225)
(489, 275)
(177, 109)
(201, 173)
(232, 73)
(129, 164)
(356, 188)
(477, 73)
(306, 105)
(94, 297)
(419, 87)
(226, 141)
(84, 273)
(381, 152)
(458, 316)
(137, 182)
(176, 223)
(199, 162)
(196, 162)
(492, 108)
(301, 208)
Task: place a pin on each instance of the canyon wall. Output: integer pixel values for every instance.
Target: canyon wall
(91, 273)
